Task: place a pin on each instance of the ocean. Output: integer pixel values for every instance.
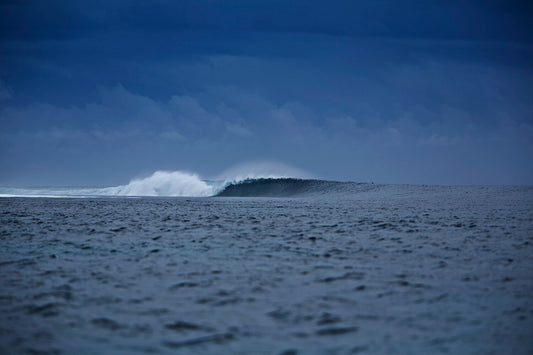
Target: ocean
(267, 266)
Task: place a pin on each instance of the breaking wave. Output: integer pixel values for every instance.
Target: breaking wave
(265, 179)
(164, 183)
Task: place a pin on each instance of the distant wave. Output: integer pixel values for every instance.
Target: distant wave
(179, 183)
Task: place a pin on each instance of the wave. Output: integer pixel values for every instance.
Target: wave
(179, 183)
(175, 184)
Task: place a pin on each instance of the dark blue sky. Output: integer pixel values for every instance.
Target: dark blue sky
(434, 92)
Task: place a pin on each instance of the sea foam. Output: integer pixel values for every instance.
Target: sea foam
(164, 183)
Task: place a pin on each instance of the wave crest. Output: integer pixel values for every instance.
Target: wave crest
(165, 183)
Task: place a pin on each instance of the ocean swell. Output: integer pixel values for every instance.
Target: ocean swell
(179, 183)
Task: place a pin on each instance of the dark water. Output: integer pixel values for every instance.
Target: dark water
(377, 269)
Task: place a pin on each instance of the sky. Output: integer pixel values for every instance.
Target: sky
(95, 93)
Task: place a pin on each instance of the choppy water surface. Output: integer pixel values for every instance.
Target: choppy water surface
(380, 269)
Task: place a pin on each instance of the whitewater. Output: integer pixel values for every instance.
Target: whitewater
(266, 263)
(160, 183)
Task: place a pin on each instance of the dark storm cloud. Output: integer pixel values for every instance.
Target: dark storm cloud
(411, 92)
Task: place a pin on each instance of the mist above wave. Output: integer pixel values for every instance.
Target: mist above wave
(264, 170)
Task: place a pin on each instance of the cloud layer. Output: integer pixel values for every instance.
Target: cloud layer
(119, 97)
